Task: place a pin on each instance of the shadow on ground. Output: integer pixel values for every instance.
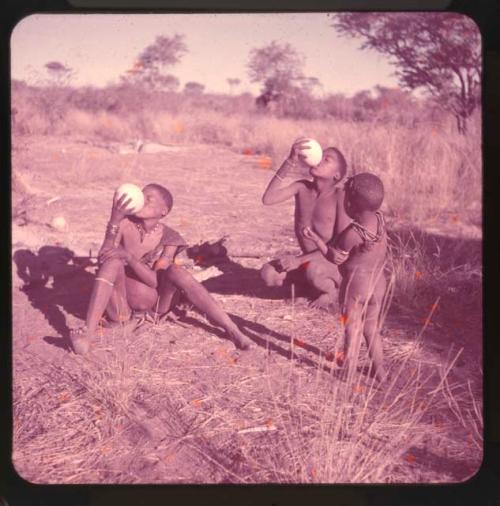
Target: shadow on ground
(55, 282)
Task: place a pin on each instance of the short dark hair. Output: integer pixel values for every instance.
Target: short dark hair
(366, 191)
(341, 159)
(165, 194)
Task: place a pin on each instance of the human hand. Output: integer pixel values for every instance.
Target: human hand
(105, 248)
(289, 262)
(296, 155)
(309, 233)
(120, 208)
(337, 256)
(117, 252)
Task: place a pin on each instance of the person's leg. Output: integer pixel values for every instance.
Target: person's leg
(326, 278)
(201, 298)
(371, 330)
(167, 291)
(104, 285)
(118, 309)
(352, 335)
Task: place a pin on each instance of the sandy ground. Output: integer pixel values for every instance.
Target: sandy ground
(211, 386)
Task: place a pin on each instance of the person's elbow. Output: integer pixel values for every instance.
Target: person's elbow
(266, 200)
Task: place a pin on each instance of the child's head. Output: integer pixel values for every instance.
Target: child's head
(158, 202)
(332, 165)
(363, 192)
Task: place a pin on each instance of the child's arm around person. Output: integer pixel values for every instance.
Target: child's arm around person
(336, 253)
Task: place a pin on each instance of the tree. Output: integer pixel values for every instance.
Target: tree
(233, 83)
(279, 69)
(439, 52)
(194, 88)
(59, 74)
(148, 69)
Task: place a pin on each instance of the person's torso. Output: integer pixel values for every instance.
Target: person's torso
(315, 211)
(131, 239)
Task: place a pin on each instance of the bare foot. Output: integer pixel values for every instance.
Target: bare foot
(239, 339)
(79, 340)
(322, 302)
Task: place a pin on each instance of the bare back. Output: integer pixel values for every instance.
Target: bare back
(362, 259)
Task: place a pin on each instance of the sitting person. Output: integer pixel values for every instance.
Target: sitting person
(137, 270)
(363, 287)
(319, 205)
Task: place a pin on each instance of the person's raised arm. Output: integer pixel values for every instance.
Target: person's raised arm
(276, 192)
(113, 232)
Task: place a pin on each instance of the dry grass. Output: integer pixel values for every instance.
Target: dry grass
(177, 412)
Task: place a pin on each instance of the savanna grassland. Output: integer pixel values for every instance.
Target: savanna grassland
(178, 403)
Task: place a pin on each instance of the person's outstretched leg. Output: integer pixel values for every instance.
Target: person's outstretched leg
(201, 298)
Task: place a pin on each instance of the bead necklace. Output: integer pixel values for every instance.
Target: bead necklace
(143, 233)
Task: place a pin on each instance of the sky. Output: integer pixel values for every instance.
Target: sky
(101, 47)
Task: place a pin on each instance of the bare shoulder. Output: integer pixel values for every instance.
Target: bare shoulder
(126, 225)
(339, 194)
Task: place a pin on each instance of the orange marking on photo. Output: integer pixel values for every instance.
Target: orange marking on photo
(197, 402)
(418, 275)
(305, 265)
(162, 262)
(198, 259)
(64, 396)
(265, 162)
(339, 357)
(343, 319)
(247, 151)
(169, 457)
(298, 342)
(358, 388)
(410, 458)
(178, 127)
(269, 423)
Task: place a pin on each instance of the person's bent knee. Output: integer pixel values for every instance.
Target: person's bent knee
(177, 273)
(173, 271)
(271, 276)
(314, 272)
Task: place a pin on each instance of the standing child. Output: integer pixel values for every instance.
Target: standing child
(137, 270)
(363, 282)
